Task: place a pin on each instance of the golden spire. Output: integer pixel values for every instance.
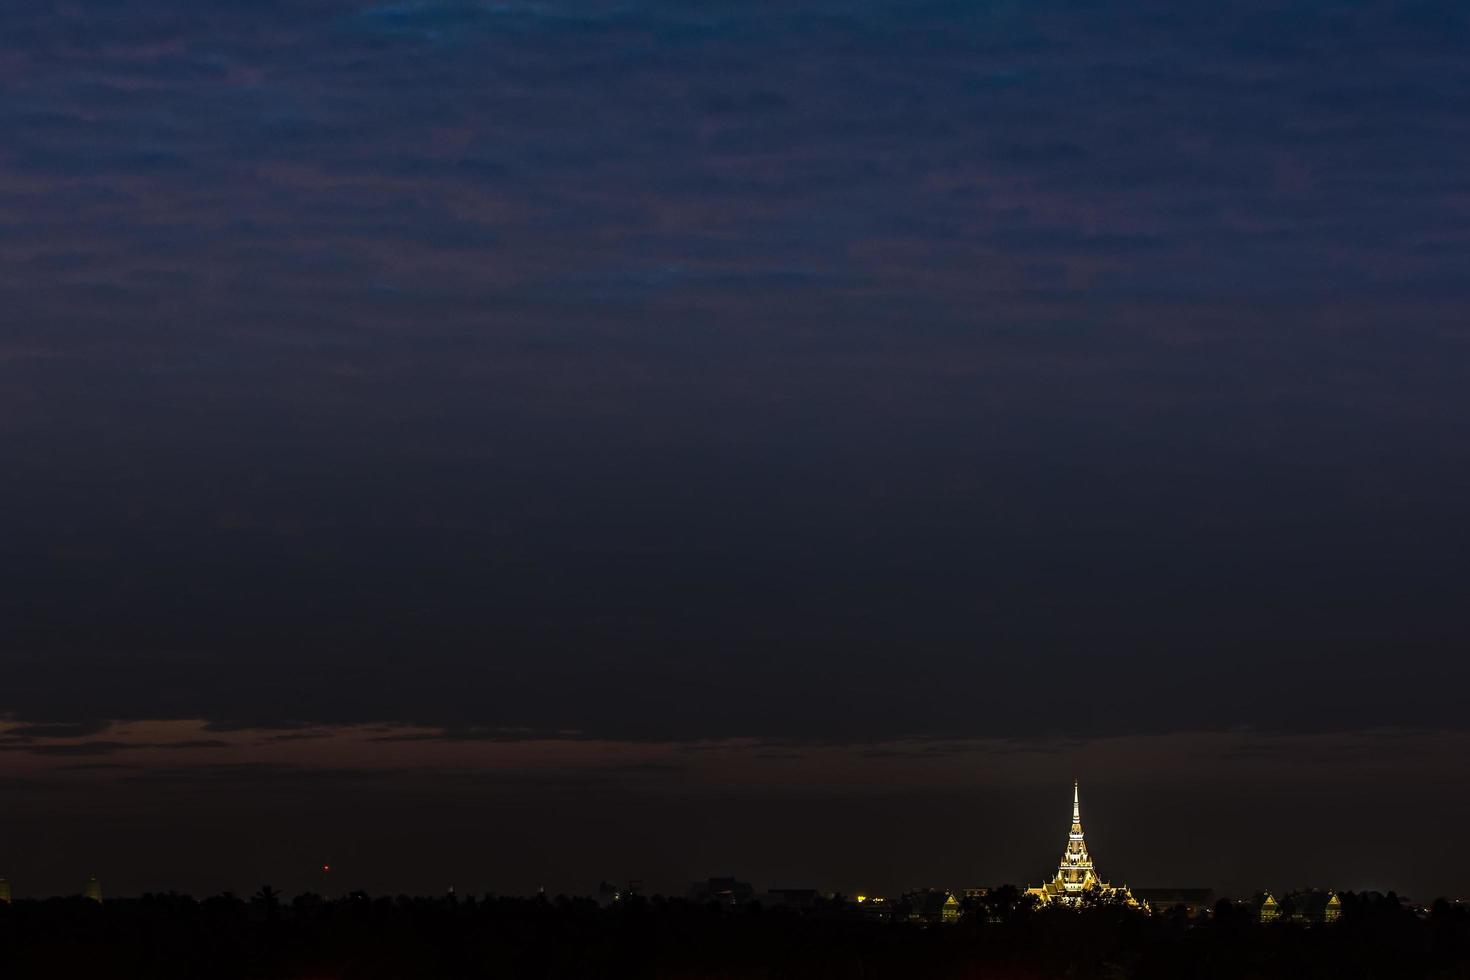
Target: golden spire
(1076, 814)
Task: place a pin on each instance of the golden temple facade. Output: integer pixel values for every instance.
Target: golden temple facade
(1076, 880)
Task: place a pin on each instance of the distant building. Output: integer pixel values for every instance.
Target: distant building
(932, 905)
(725, 891)
(1311, 907)
(1196, 903)
(93, 889)
(873, 909)
(1263, 907)
(1077, 880)
(796, 899)
(4, 890)
(610, 894)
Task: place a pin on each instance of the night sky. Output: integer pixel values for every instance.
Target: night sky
(508, 443)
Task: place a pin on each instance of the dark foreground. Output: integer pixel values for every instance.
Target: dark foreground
(170, 936)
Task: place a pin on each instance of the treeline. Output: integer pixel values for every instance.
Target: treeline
(161, 937)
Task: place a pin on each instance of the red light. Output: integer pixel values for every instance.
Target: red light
(326, 867)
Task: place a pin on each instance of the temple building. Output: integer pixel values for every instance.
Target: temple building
(1311, 906)
(1263, 907)
(1077, 881)
(932, 905)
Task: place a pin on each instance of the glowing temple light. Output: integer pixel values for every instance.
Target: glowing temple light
(1076, 876)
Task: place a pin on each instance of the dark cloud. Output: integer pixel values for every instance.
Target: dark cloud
(108, 747)
(478, 734)
(61, 730)
(259, 773)
(290, 728)
(77, 748)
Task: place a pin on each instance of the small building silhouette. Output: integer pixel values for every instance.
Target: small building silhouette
(1194, 903)
(872, 908)
(724, 891)
(796, 899)
(609, 894)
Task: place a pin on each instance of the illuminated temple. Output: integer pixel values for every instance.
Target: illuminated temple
(1076, 880)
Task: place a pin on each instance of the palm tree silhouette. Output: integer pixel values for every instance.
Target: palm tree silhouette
(267, 898)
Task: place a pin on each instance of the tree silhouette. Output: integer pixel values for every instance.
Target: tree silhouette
(267, 897)
(174, 937)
